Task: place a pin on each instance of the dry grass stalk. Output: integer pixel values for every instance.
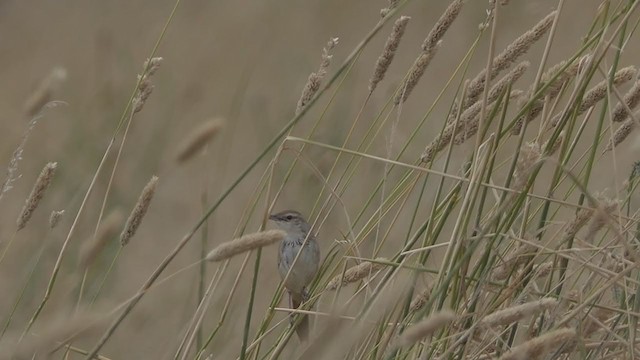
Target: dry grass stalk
(540, 346)
(315, 78)
(197, 140)
(621, 134)
(578, 222)
(245, 243)
(355, 273)
(530, 154)
(37, 193)
(44, 92)
(514, 259)
(631, 99)
(139, 211)
(517, 313)
(55, 330)
(598, 92)
(415, 73)
(107, 231)
(506, 58)
(389, 52)
(145, 88)
(54, 218)
(425, 328)
(594, 320)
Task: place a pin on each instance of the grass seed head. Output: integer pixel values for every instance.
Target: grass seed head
(54, 218)
(631, 99)
(540, 346)
(245, 243)
(389, 52)
(355, 273)
(425, 328)
(37, 193)
(198, 139)
(139, 211)
(516, 313)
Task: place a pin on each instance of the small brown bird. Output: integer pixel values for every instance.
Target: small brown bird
(305, 267)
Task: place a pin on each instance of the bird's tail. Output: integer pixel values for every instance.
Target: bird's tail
(301, 322)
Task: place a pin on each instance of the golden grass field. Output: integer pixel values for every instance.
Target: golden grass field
(352, 165)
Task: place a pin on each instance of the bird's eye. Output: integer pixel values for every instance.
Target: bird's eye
(289, 217)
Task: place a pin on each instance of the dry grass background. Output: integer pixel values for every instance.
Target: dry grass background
(246, 63)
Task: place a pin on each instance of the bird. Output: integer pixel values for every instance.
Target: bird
(298, 233)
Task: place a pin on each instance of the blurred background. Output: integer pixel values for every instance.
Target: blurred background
(245, 62)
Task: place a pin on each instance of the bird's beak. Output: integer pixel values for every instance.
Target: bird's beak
(273, 217)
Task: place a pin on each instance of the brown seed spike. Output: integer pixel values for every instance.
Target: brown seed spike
(621, 134)
(90, 250)
(197, 140)
(540, 346)
(425, 328)
(315, 79)
(517, 313)
(355, 273)
(139, 211)
(54, 219)
(245, 243)
(442, 25)
(631, 99)
(415, 73)
(37, 193)
(389, 52)
(516, 49)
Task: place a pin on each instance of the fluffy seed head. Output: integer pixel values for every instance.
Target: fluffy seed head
(315, 79)
(442, 25)
(425, 328)
(517, 313)
(540, 346)
(516, 49)
(530, 154)
(54, 219)
(139, 211)
(550, 150)
(420, 300)
(555, 80)
(599, 91)
(145, 88)
(392, 5)
(389, 52)
(37, 193)
(355, 273)
(90, 250)
(197, 140)
(513, 260)
(621, 134)
(415, 73)
(631, 99)
(600, 216)
(579, 221)
(44, 92)
(245, 243)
